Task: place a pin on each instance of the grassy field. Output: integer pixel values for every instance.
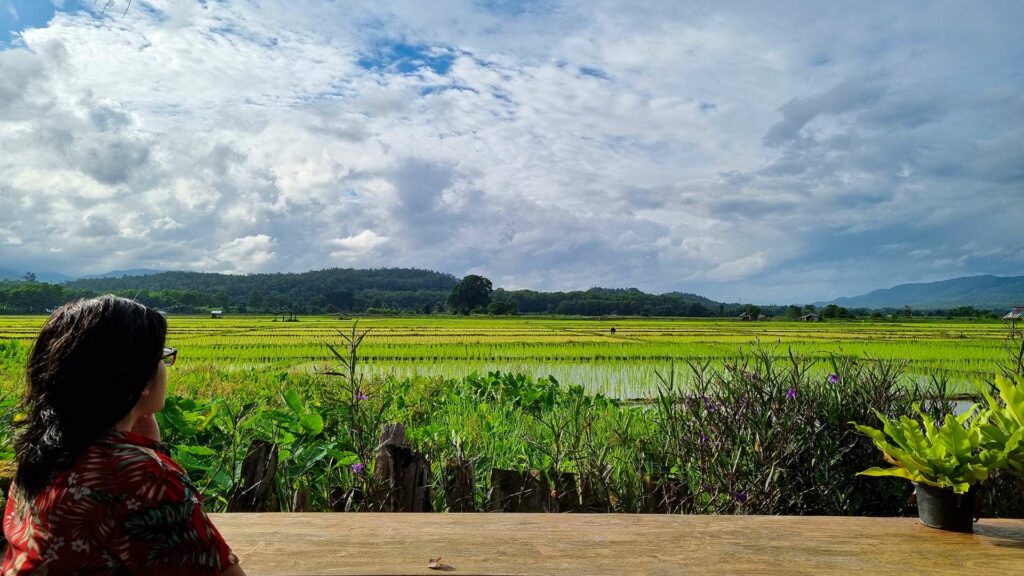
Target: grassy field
(239, 351)
(751, 433)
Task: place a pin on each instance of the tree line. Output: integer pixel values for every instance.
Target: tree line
(384, 291)
(397, 291)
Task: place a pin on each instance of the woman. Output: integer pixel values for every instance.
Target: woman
(95, 490)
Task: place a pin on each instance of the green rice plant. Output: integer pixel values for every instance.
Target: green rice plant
(219, 356)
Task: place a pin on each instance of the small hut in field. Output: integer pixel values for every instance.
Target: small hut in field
(747, 317)
(812, 317)
(1013, 318)
(216, 313)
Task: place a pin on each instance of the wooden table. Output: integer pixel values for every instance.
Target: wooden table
(580, 544)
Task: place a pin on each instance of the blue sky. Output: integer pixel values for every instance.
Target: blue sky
(17, 15)
(731, 149)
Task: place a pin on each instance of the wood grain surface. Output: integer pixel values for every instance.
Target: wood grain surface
(578, 544)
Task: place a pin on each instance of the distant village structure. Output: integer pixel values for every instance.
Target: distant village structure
(1013, 318)
(812, 317)
(216, 313)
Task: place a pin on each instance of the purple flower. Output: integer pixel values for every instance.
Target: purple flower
(833, 379)
(703, 438)
(360, 395)
(741, 496)
(791, 394)
(358, 468)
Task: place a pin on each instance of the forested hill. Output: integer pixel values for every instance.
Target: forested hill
(983, 292)
(611, 301)
(334, 289)
(387, 290)
(311, 283)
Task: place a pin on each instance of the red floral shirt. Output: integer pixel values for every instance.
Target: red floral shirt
(124, 507)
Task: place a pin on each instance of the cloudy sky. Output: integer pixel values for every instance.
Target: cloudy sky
(745, 151)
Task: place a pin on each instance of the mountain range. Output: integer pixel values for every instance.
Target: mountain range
(59, 277)
(982, 292)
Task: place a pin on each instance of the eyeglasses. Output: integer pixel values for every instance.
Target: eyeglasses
(169, 356)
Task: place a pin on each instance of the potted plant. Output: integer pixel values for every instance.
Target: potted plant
(945, 462)
(1003, 428)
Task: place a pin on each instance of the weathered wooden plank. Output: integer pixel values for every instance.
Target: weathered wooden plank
(255, 491)
(401, 474)
(459, 486)
(598, 544)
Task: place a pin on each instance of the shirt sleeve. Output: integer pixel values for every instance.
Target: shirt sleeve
(163, 529)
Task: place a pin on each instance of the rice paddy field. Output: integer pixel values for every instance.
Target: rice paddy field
(240, 351)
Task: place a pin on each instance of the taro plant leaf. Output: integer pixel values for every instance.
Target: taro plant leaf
(291, 398)
(312, 422)
(197, 450)
(345, 458)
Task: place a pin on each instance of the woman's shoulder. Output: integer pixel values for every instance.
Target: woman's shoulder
(125, 462)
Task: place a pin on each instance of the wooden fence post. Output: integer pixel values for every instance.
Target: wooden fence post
(341, 499)
(459, 484)
(401, 475)
(593, 487)
(536, 497)
(565, 496)
(300, 501)
(255, 489)
(506, 486)
(514, 491)
(662, 496)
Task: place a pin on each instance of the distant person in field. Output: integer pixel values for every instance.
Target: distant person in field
(95, 491)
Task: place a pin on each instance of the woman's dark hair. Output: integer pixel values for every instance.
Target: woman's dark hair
(87, 369)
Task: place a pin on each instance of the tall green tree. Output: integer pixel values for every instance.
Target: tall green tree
(470, 293)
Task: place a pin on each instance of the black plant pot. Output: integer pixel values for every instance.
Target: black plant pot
(944, 509)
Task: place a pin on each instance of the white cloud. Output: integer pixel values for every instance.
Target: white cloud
(241, 255)
(356, 244)
(559, 145)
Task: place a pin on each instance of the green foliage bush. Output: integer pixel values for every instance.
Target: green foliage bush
(766, 433)
(758, 436)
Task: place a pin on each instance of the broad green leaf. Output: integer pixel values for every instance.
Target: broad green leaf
(954, 438)
(1012, 393)
(897, 472)
(966, 415)
(291, 398)
(343, 458)
(312, 423)
(929, 424)
(197, 450)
